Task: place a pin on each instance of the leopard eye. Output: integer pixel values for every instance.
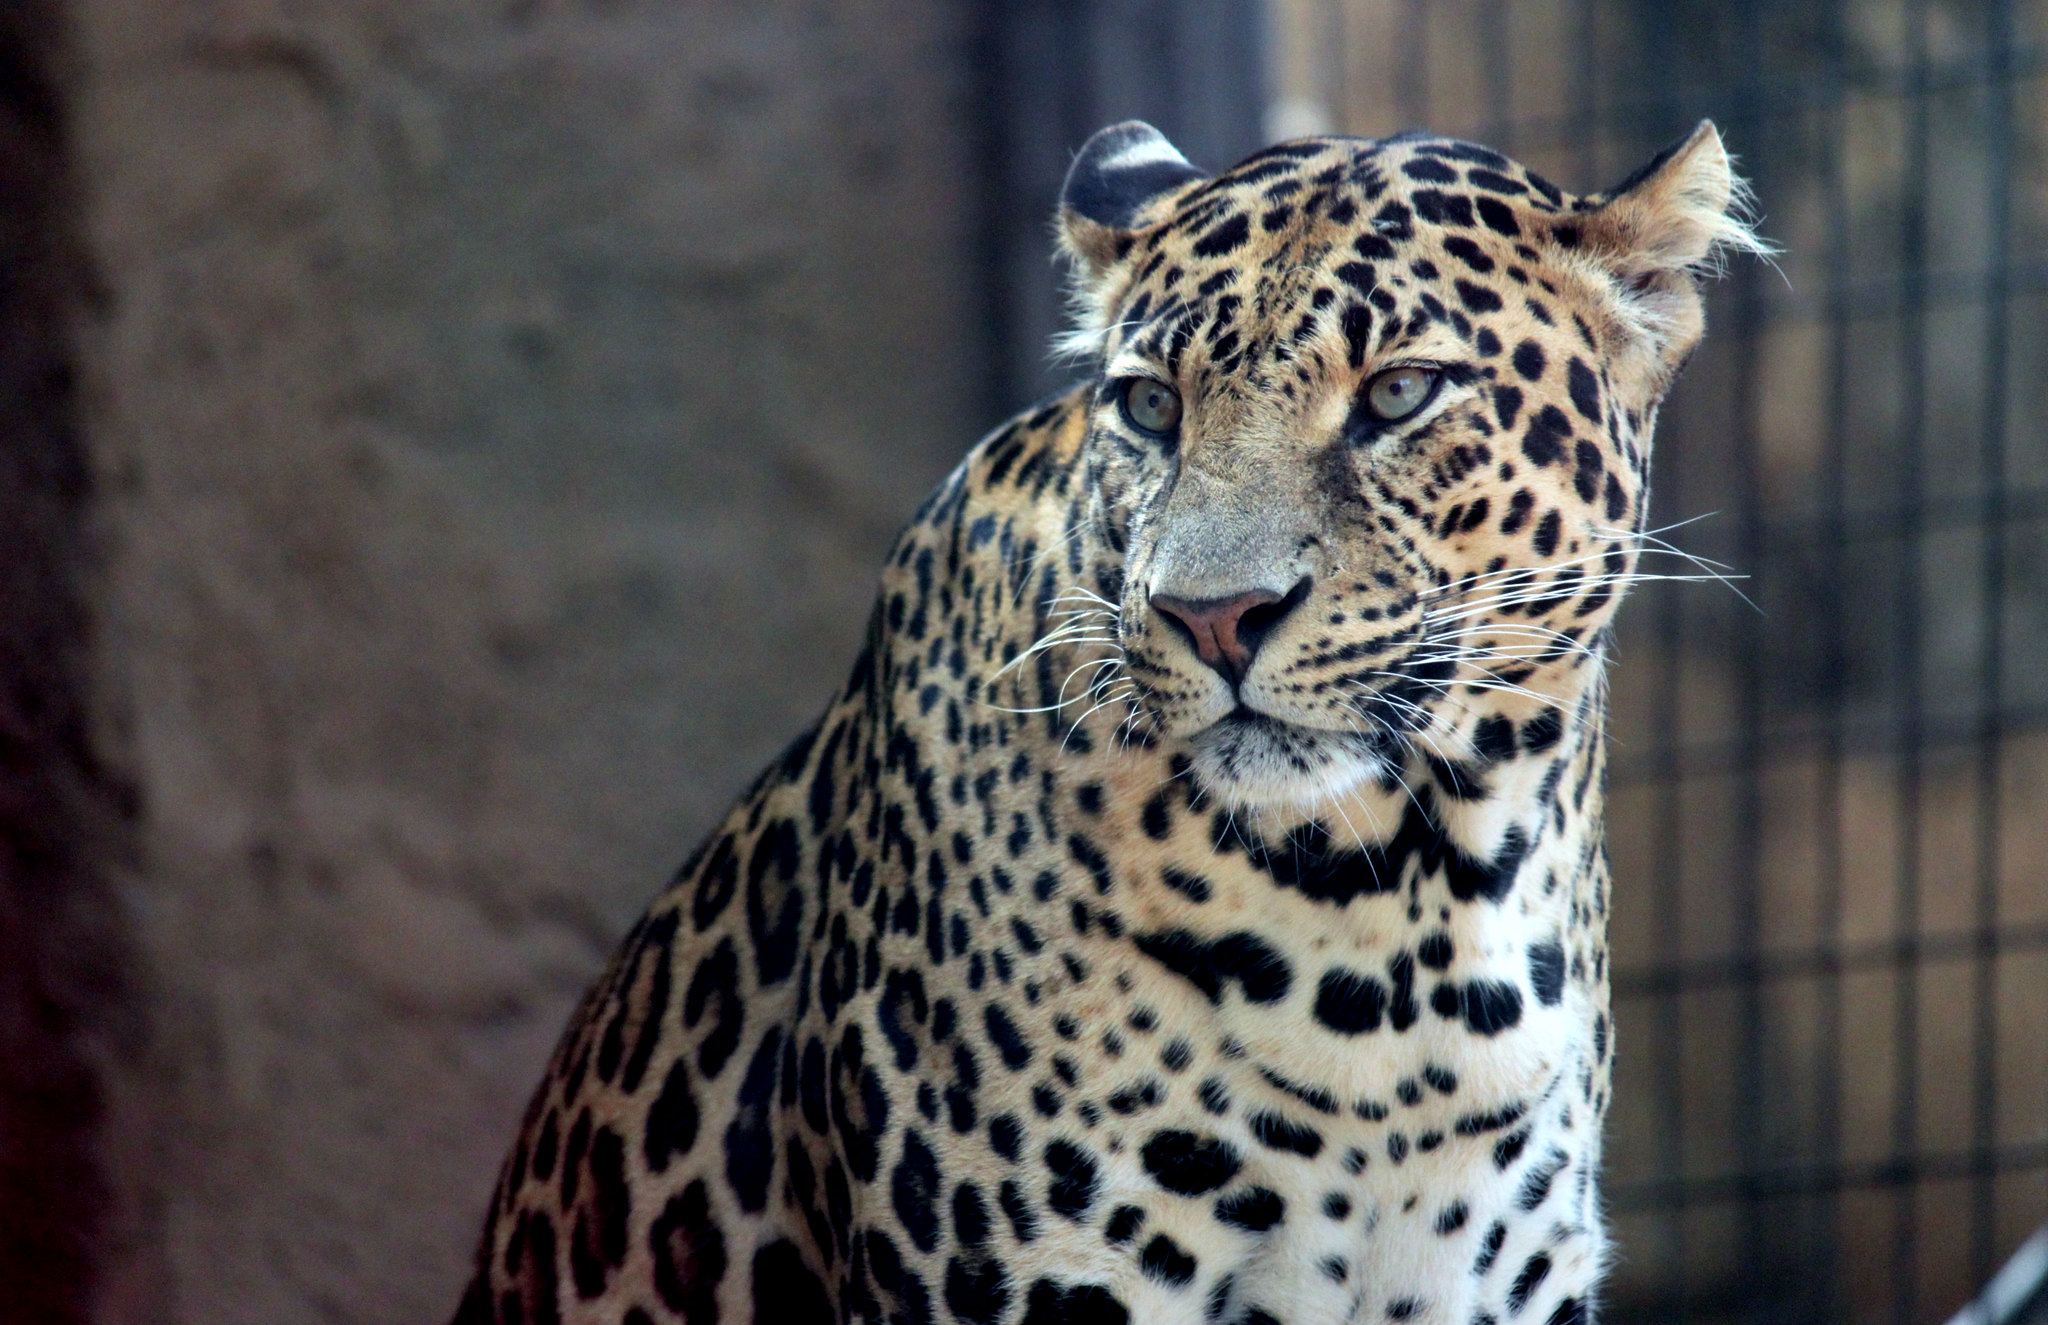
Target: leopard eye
(1151, 407)
(1399, 392)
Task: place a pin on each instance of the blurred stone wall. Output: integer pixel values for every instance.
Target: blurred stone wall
(64, 815)
(498, 409)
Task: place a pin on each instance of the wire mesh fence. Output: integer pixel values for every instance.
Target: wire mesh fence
(1830, 800)
(1829, 808)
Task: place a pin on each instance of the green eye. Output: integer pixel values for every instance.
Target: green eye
(1151, 407)
(1398, 392)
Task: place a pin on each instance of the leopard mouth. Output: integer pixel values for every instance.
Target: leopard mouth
(1250, 758)
(1248, 723)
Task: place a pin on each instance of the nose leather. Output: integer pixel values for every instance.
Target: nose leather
(1215, 626)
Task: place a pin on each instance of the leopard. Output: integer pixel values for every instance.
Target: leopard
(1192, 906)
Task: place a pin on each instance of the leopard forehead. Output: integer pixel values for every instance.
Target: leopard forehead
(1283, 281)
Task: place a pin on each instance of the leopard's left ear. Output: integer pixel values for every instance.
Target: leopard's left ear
(1661, 230)
(1112, 186)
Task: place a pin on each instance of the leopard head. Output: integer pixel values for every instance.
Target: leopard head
(1369, 435)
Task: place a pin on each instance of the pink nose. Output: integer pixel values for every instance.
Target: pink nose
(1226, 631)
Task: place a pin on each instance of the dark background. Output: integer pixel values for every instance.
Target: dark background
(445, 448)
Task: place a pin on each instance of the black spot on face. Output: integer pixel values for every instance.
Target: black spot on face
(1350, 1003)
(1074, 1181)
(1546, 972)
(1442, 208)
(1430, 170)
(1477, 299)
(1008, 1040)
(1227, 236)
(1490, 879)
(1586, 482)
(1356, 323)
(1157, 816)
(1123, 1225)
(1493, 738)
(1549, 429)
(1254, 1209)
(1489, 1248)
(1079, 1304)
(1240, 956)
(1570, 1311)
(1536, 1183)
(1519, 506)
(1497, 215)
(1191, 886)
(1469, 253)
(1276, 1132)
(1585, 390)
(977, 1289)
(1023, 1219)
(1533, 1273)
(1189, 1165)
(1488, 1007)
(1165, 1262)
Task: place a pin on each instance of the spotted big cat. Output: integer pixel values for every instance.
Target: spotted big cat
(1192, 906)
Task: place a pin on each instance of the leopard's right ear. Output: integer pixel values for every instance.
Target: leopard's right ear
(1121, 173)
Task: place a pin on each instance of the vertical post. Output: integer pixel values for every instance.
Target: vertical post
(1754, 1113)
(1991, 695)
(1907, 605)
(1823, 1284)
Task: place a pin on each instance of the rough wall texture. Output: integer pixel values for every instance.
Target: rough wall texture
(499, 408)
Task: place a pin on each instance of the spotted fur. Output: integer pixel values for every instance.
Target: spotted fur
(1058, 975)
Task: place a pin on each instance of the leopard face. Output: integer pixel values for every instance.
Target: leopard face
(1369, 433)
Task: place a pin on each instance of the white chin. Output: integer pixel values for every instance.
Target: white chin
(1262, 763)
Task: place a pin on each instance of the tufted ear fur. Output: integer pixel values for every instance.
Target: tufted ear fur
(1120, 172)
(1660, 230)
